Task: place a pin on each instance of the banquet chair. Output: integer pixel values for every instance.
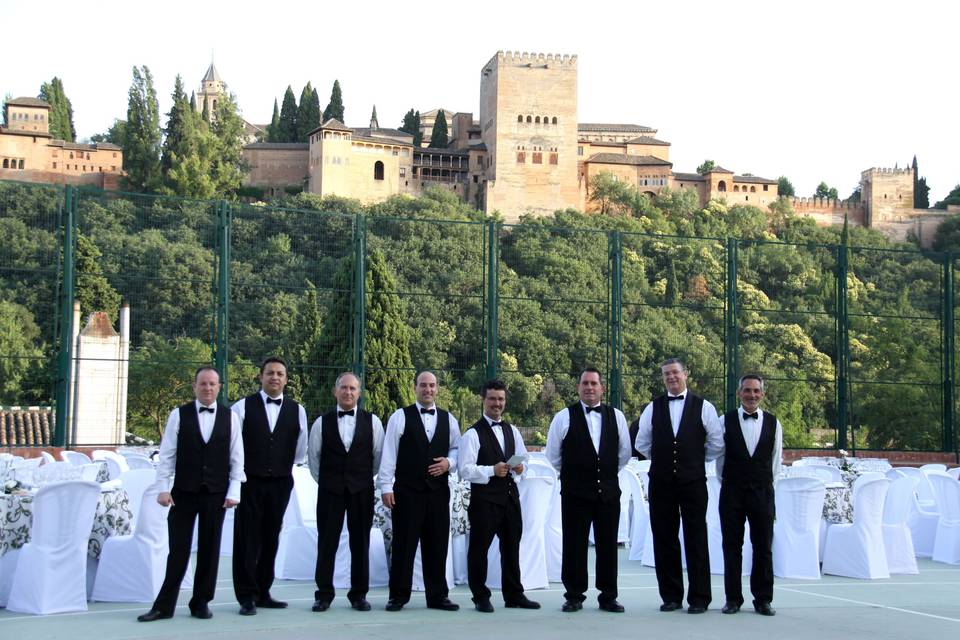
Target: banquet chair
(297, 550)
(51, 569)
(132, 567)
(954, 473)
(933, 466)
(90, 471)
(535, 492)
(116, 464)
(75, 457)
(639, 515)
(924, 513)
(834, 472)
(946, 546)
(897, 541)
(796, 531)
(856, 550)
(715, 535)
(138, 461)
(135, 482)
(893, 474)
(47, 457)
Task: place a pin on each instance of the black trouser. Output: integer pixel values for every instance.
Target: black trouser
(256, 534)
(488, 519)
(756, 506)
(188, 506)
(577, 514)
(331, 508)
(424, 518)
(669, 504)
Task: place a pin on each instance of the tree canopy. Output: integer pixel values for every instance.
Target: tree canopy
(439, 137)
(61, 110)
(335, 106)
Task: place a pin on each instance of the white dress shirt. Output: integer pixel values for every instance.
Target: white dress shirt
(273, 411)
(391, 443)
(560, 425)
(713, 446)
(751, 429)
(347, 427)
(470, 448)
(167, 463)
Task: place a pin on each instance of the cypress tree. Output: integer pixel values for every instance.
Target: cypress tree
(335, 106)
(673, 286)
(417, 133)
(308, 113)
(274, 123)
(438, 138)
(141, 147)
(61, 110)
(175, 138)
(93, 290)
(287, 128)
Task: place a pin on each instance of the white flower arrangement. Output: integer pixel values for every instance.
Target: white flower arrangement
(11, 485)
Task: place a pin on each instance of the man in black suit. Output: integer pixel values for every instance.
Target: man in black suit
(753, 448)
(202, 452)
(485, 451)
(344, 453)
(419, 448)
(679, 432)
(274, 439)
(588, 443)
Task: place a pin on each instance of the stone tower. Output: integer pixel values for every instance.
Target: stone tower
(887, 194)
(528, 120)
(211, 89)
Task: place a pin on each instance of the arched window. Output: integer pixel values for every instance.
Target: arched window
(519, 118)
(21, 164)
(722, 186)
(736, 188)
(546, 120)
(536, 120)
(554, 120)
(753, 189)
(6, 163)
(378, 170)
(529, 119)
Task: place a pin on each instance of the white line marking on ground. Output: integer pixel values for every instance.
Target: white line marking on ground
(872, 604)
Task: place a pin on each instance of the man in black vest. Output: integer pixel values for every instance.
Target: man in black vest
(751, 460)
(679, 432)
(419, 449)
(344, 453)
(202, 451)
(274, 439)
(588, 443)
(485, 451)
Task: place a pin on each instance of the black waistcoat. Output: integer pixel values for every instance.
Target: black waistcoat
(266, 454)
(497, 490)
(678, 459)
(585, 472)
(415, 453)
(199, 463)
(343, 471)
(739, 467)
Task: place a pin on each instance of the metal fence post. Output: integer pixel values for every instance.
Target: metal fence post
(616, 301)
(222, 320)
(492, 299)
(841, 370)
(731, 360)
(359, 295)
(67, 294)
(949, 360)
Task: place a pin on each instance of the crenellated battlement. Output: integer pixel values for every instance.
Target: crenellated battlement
(536, 59)
(825, 204)
(885, 171)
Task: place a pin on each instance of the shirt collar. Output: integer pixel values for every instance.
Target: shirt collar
(584, 405)
(200, 404)
(355, 409)
(490, 420)
(420, 406)
(263, 394)
(743, 411)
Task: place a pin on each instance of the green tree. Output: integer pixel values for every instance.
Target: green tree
(272, 128)
(287, 127)
(706, 167)
(61, 110)
(228, 168)
(921, 192)
(141, 148)
(308, 113)
(947, 237)
(785, 187)
(952, 198)
(823, 191)
(411, 124)
(335, 106)
(116, 134)
(21, 351)
(439, 137)
(3, 108)
(93, 290)
(180, 128)
(856, 194)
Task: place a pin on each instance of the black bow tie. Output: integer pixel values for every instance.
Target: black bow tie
(274, 401)
(755, 416)
(210, 409)
(496, 424)
(340, 414)
(672, 398)
(589, 409)
(430, 411)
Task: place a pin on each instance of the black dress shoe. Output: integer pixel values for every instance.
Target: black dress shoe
(522, 603)
(483, 606)
(320, 605)
(152, 615)
(394, 605)
(696, 608)
(203, 613)
(248, 609)
(270, 603)
(670, 606)
(612, 606)
(444, 605)
(360, 604)
(730, 607)
(570, 606)
(764, 609)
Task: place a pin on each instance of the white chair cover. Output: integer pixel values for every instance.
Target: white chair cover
(47, 457)
(893, 474)
(535, 493)
(116, 463)
(297, 551)
(954, 473)
(832, 471)
(137, 461)
(857, 550)
(379, 571)
(933, 466)
(924, 513)
(132, 567)
(75, 457)
(896, 534)
(626, 492)
(639, 515)
(796, 531)
(50, 575)
(553, 532)
(715, 535)
(135, 482)
(90, 471)
(946, 547)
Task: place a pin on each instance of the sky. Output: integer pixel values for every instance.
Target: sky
(815, 91)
